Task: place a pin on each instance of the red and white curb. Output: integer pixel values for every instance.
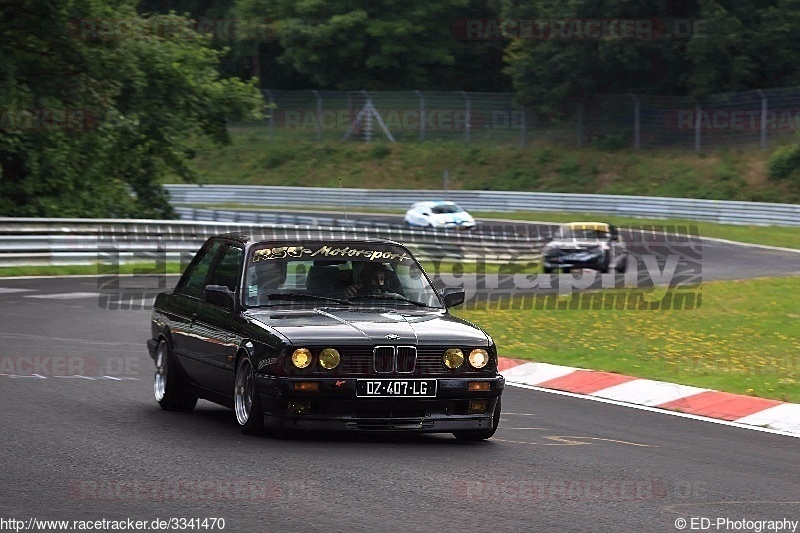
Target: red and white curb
(735, 408)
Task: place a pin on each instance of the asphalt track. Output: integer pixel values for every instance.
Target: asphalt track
(85, 440)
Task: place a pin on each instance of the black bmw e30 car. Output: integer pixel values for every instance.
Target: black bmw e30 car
(322, 335)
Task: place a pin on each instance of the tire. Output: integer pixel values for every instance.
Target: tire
(481, 434)
(622, 266)
(246, 404)
(604, 265)
(566, 270)
(171, 390)
(547, 270)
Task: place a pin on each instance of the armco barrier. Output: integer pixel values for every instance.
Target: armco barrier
(26, 241)
(272, 197)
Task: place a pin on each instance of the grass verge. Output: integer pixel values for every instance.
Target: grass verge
(744, 338)
(92, 270)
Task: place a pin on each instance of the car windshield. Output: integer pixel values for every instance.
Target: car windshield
(582, 232)
(445, 208)
(356, 274)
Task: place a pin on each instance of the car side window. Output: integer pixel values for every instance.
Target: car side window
(228, 269)
(193, 281)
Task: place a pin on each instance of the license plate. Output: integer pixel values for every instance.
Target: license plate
(396, 388)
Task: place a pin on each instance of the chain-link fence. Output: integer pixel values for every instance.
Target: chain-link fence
(606, 121)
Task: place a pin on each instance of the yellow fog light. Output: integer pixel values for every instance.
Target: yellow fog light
(301, 357)
(453, 358)
(478, 358)
(479, 385)
(329, 358)
(477, 407)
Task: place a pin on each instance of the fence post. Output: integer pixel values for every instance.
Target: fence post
(763, 119)
(319, 113)
(698, 121)
(421, 115)
(637, 133)
(271, 112)
(580, 125)
(468, 110)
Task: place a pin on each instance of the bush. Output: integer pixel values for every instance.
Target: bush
(784, 163)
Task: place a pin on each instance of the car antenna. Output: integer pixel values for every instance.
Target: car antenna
(346, 221)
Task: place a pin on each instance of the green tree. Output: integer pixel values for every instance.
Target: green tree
(99, 104)
(349, 44)
(561, 59)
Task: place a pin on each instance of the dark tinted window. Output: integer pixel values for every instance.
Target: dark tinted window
(228, 268)
(193, 281)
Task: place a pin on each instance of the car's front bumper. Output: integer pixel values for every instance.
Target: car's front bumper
(576, 260)
(335, 406)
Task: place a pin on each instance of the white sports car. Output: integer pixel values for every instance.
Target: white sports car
(439, 214)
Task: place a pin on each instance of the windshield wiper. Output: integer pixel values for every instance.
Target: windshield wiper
(385, 296)
(302, 296)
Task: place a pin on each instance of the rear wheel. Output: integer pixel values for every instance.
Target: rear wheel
(249, 413)
(171, 390)
(481, 434)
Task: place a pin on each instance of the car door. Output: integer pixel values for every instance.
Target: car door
(183, 304)
(214, 337)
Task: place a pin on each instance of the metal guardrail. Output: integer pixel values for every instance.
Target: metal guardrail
(26, 241)
(724, 212)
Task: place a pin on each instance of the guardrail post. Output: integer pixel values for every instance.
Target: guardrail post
(698, 122)
(319, 113)
(468, 111)
(271, 113)
(763, 119)
(421, 115)
(636, 122)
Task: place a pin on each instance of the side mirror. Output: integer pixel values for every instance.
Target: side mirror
(453, 296)
(218, 295)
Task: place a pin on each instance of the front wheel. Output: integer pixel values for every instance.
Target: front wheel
(481, 434)
(171, 390)
(246, 403)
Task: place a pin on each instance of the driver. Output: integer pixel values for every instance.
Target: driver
(372, 278)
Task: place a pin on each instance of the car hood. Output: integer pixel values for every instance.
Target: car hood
(575, 243)
(368, 326)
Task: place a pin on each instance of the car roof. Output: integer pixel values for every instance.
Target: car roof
(244, 238)
(433, 203)
(601, 226)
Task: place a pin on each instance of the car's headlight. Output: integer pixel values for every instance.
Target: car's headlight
(453, 358)
(478, 358)
(329, 358)
(302, 357)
